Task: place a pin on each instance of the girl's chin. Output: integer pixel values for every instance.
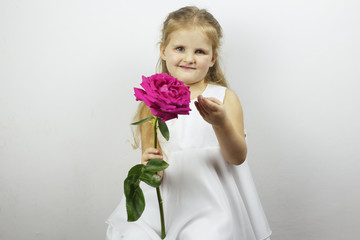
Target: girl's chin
(191, 82)
(186, 79)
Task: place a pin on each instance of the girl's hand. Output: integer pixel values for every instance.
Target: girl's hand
(151, 153)
(212, 110)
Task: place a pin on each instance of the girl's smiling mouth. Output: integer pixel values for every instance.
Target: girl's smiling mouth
(187, 68)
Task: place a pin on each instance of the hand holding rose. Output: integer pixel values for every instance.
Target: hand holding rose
(152, 153)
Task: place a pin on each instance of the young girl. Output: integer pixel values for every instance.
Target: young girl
(208, 191)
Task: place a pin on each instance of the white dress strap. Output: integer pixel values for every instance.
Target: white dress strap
(215, 91)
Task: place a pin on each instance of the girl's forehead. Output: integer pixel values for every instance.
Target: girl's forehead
(189, 30)
(191, 34)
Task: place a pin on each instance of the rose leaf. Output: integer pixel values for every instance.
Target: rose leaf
(135, 204)
(151, 178)
(142, 121)
(136, 170)
(164, 130)
(156, 165)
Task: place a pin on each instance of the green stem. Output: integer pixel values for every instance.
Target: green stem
(158, 188)
(163, 234)
(155, 132)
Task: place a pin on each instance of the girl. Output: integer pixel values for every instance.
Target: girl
(208, 192)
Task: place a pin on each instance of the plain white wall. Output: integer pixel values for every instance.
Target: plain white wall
(67, 69)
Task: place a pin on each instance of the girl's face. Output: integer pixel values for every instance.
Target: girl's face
(188, 55)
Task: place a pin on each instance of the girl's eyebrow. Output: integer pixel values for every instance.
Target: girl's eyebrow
(178, 44)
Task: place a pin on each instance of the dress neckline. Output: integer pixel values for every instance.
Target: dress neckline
(207, 86)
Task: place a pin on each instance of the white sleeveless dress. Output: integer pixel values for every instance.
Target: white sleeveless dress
(204, 197)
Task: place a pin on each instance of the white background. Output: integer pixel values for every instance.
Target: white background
(67, 69)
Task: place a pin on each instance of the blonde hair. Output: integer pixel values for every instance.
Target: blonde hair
(184, 18)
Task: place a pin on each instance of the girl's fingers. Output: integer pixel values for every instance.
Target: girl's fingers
(147, 158)
(161, 174)
(215, 100)
(150, 153)
(202, 104)
(200, 109)
(152, 156)
(212, 104)
(152, 150)
(209, 104)
(215, 103)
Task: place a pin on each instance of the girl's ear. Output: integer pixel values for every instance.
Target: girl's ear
(162, 52)
(213, 60)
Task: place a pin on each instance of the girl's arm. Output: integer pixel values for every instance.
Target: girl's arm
(227, 122)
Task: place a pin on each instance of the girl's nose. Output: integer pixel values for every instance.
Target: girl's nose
(189, 58)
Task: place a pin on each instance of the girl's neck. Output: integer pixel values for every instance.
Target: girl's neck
(197, 89)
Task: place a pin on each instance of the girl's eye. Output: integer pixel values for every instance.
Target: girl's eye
(199, 51)
(180, 49)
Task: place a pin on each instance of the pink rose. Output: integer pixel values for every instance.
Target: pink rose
(165, 95)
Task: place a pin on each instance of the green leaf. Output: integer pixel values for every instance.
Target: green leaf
(136, 170)
(151, 178)
(130, 183)
(164, 129)
(135, 204)
(156, 165)
(135, 201)
(142, 121)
